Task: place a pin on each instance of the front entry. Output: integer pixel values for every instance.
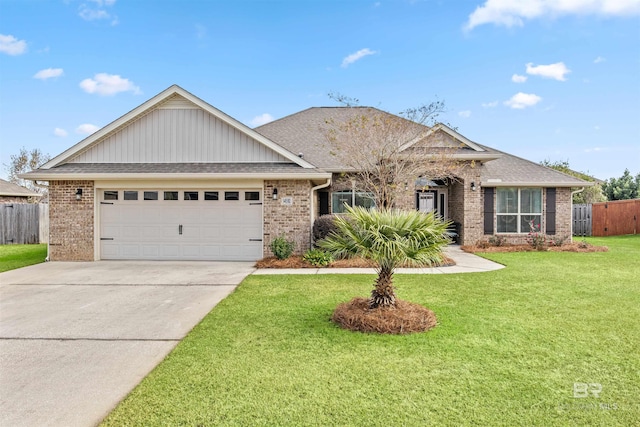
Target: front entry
(432, 200)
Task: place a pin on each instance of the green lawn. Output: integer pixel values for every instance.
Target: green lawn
(509, 347)
(17, 256)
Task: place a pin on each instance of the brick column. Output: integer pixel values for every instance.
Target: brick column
(71, 221)
(293, 221)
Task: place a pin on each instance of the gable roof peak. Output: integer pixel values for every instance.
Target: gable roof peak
(156, 102)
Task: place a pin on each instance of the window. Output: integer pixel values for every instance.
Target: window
(191, 195)
(110, 195)
(171, 195)
(252, 195)
(211, 195)
(517, 208)
(150, 195)
(341, 198)
(231, 195)
(131, 195)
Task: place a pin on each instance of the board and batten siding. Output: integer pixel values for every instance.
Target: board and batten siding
(178, 135)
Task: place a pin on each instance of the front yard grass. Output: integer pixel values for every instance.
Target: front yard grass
(509, 349)
(17, 256)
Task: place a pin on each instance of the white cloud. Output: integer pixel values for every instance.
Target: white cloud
(48, 73)
(356, 56)
(595, 149)
(555, 71)
(108, 84)
(465, 114)
(510, 13)
(96, 10)
(598, 60)
(86, 129)
(11, 45)
(517, 78)
(491, 104)
(523, 100)
(261, 119)
(60, 132)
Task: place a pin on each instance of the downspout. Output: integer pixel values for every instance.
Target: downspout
(313, 210)
(572, 193)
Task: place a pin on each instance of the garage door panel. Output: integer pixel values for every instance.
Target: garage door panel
(211, 229)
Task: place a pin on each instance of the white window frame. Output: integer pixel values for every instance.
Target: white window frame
(519, 214)
(352, 197)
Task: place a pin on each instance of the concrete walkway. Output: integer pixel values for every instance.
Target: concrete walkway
(465, 263)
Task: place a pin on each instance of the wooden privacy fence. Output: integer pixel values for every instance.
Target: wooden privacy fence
(582, 220)
(24, 223)
(615, 218)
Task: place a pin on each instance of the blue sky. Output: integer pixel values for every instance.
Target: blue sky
(541, 79)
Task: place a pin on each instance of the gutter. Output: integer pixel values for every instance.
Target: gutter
(312, 214)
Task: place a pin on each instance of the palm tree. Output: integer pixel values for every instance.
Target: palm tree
(390, 238)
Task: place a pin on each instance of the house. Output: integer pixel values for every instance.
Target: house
(12, 193)
(178, 179)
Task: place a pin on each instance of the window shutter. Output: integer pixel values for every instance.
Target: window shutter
(550, 222)
(488, 210)
(323, 198)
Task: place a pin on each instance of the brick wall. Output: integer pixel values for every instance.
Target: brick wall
(294, 221)
(71, 221)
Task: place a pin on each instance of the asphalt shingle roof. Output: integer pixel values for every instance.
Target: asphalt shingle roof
(177, 168)
(10, 189)
(304, 132)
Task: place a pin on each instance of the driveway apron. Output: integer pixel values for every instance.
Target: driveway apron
(76, 338)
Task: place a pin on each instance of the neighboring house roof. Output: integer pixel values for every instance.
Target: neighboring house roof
(10, 189)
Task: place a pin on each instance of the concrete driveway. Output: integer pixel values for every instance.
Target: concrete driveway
(76, 338)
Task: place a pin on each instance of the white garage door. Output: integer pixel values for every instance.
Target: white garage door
(181, 224)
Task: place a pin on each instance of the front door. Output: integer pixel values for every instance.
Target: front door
(427, 201)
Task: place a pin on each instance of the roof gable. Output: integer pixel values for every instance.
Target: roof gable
(442, 136)
(176, 126)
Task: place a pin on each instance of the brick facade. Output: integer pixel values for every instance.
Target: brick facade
(71, 221)
(291, 221)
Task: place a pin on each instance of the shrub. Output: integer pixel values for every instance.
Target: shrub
(282, 248)
(317, 258)
(536, 238)
(497, 240)
(323, 226)
(558, 241)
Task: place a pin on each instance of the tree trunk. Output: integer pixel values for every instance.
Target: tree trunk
(383, 295)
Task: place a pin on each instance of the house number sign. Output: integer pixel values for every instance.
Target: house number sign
(287, 201)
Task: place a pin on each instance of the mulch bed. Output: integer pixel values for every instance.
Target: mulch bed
(296, 261)
(567, 247)
(405, 318)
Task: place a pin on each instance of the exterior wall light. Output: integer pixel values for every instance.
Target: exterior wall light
(473, 186)
(79, 194)
(275, 194)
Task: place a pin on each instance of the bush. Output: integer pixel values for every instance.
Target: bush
(318, 258)
(497, 240)
(323, 226)
(282, 248)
